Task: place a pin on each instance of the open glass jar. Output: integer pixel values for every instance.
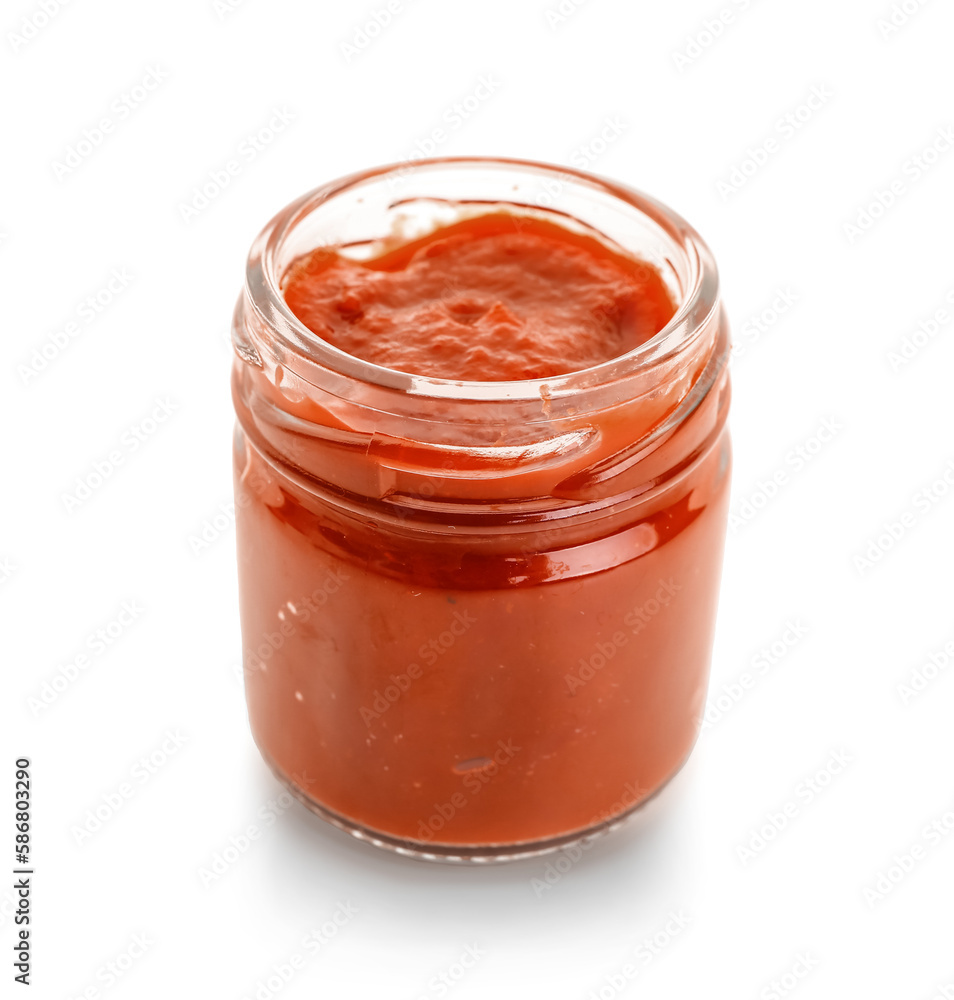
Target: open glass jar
(477, 617)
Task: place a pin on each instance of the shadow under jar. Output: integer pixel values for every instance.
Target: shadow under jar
(477, 617)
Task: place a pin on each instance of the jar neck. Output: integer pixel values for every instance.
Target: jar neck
(418, 444)
(576, 457)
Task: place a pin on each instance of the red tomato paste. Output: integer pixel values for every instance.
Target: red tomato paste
(492, 298)
(477, 654)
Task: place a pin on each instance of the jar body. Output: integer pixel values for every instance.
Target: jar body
(476, 661)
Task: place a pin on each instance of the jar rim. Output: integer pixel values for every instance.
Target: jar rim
(264, 294)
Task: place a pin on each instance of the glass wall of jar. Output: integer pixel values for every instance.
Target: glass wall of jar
(477, 617)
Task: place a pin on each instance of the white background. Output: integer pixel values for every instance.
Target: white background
(780, 234)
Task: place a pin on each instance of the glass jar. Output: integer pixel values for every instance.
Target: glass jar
(477, 617)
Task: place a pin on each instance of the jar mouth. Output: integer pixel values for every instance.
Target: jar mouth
(684, 259)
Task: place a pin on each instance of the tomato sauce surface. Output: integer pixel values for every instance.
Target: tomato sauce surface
(493, 298)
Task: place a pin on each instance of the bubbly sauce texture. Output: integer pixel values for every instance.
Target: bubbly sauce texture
(498, 297)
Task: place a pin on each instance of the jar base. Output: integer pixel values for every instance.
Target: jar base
(463, 854)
